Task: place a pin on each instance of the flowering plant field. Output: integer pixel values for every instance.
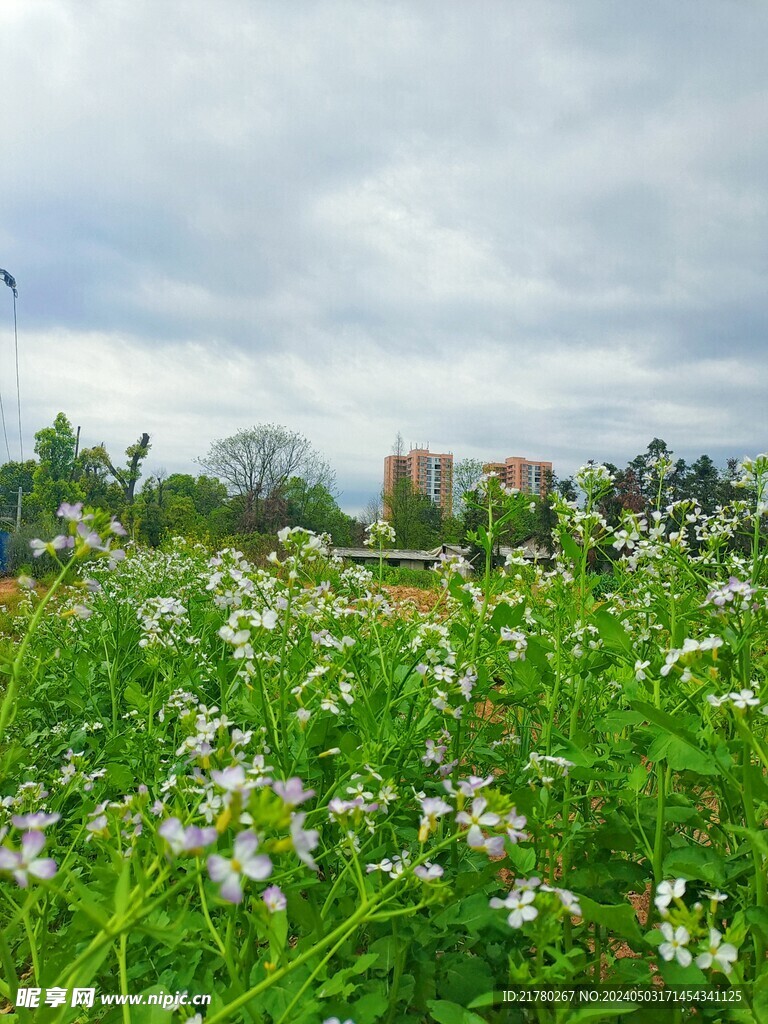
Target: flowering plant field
(314, 805)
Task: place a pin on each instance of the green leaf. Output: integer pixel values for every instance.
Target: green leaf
(570, 547)
(369, 1008)
(675, 974)
(122, 889)
(760, 998)
(155, 1013)
(386, 948)
(758, 918)
(617, 721)
(462, 977)
(362, 963)
(613, 633)
(445, 1012)
(756, 837)
(620, 918)
(681, 755)
(505, 615)
(603, 1011)
(699, 862)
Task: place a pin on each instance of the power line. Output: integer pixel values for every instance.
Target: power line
(5, 432)
(18, 388)
(11, 282)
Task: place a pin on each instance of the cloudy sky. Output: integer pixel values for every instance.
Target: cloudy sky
(523, 227)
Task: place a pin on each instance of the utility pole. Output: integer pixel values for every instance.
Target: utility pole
(18, 510)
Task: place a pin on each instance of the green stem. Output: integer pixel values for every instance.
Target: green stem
(330, 940)
(658, 840)
(759, 880)
(121, 959)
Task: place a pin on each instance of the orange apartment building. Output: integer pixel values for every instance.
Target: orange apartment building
(525, 475)
(429, 473)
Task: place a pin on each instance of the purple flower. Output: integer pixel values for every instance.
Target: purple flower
(72, 513)
(232, 779)
(435, 753)
(493, 846)
(304, 840)
(89, 538)
(118, 529)
(428, 872)
(292, 791)
(186, 840)
(36, 821)
(22, 865)
(114, 557)
(39, 547)
(245, 861)
(515, 824)
(470, 786)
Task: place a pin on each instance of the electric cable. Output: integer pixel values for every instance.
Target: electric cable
(5, 432)
(10, 280)
(18, 387)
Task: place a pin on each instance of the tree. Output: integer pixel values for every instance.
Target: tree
(522, 514)
(703, 483)
(128, 476)
(256, 463)
(415, 519)
(652, 470)
(55, 447)
(314, 507)
(373, 510)
(181, 504)
(206, 492)
(466, 473)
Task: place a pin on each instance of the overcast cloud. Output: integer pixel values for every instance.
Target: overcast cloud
(505, 228)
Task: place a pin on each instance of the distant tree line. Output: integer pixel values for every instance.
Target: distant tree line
(637, 487)
(266, 477)
(253, 484)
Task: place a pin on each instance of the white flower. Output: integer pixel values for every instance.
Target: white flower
(675, 946)
(432, 808)
(716, 896)
(435, 753)
(519, 903)
(719, 954)
(232, 779)
(274, 899)
(245, 861)
(667, 891)
(477, 818)
(26, 862)
(428, 872)
(744, 699)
